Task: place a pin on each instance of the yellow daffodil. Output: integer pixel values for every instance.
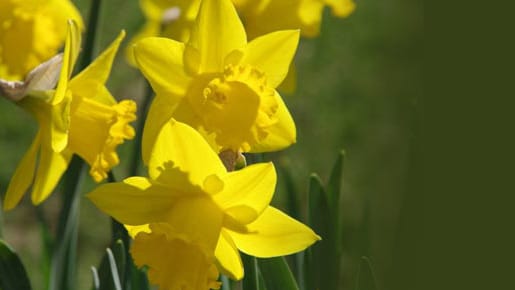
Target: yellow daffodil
(32, 31)
(80, 116)
(220, 84)
(167, 18)
(192, 210)
(264, 16)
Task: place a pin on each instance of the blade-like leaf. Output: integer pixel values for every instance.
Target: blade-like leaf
(12, 273)
(96, 280)
(138, 278)
(335, 182)
(251, 279)
(365, 279)
(276, 274)
(64, 259)
(106, 275)
(114, 270)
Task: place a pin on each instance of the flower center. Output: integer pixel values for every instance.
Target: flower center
(237, 106)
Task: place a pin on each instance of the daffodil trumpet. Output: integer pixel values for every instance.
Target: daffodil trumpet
(220, 84)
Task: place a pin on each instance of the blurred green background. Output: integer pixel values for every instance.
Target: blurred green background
(358, 85)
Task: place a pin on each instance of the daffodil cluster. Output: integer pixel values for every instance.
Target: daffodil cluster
(215, 98)
(215, 93)
(79, 116)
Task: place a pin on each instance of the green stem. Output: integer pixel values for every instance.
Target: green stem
(136, 156)
(91, 32)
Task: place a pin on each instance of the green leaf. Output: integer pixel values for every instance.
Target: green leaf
(106, 275)
(138, 278)
(365, 279)
(12, 273)
(96, 280)
(46, 237)
(277, 274)
(251, 279)
(114, 270)
(324, 218)
(64, 259)
(315, 257)
(335, 183)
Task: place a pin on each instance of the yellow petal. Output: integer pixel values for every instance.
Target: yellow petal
(341, 8)
(60, 123)
(281, 134)
(149, 29)
(135, 201)
(179, 145)
(96, 131)
(289, 84)
(247, 192)
(199, 218)
(175, 261)
(217, 32)
(134, 230)
(161, 62)
(274, 234)
(51, 167)
(151, 9)
(89, 82)
(161, 110)
(272, 53)
(23, 176)
(228, 258)
(71, 51)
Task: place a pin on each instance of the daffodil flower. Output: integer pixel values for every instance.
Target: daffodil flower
(79, 117)
(264, 16)
(32, 32)
(220, 84)
(192, 210)
(167, 18)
